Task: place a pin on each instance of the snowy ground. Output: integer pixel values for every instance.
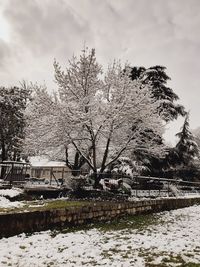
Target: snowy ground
(5, 203)
(164, 239)
(10, 193)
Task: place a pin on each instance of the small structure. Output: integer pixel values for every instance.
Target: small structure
(47, 178)
(14, 171)
(45, 169)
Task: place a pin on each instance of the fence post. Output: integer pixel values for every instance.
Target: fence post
(63, 174)
(51, 171)
(136, 192)
(168, 188)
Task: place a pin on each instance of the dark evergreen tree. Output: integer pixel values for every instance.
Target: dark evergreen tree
(182, 160)
(152, 161)
(196, 133)
(156, 76)
(186, 148)
(12, 121)
(168, 109)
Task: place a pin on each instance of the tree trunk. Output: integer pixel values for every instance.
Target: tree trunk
(78, 162)
(76, 167)
(97, 179)
(3, 153)
(3, 158)
(96, 176)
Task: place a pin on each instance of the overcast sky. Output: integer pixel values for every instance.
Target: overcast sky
(142, 32)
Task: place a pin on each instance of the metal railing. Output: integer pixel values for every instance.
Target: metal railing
(141, 186)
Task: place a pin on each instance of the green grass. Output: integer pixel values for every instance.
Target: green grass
(58, 204)
(22, 247)
(134, 222)
(168, 259)
(44, 205)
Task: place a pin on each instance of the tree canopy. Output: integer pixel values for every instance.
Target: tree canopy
(101, 116)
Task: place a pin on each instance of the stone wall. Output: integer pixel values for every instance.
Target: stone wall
(28, 222)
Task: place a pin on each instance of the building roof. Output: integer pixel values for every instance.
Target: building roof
(42, 161)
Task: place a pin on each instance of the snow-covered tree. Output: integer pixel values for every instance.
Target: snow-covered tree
(13, 102)
(41, 135)
(186, 149)
(101, 117)
(125, 167)
(48, 115)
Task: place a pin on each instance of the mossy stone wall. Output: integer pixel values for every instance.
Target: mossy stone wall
(28, 222)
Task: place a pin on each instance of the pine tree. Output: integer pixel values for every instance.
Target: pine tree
(186, 148)
(196, 133)
(157, 77)
(168, 109)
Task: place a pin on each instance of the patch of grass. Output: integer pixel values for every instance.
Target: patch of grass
(166, 259)
(191, 264)
(149, 258)
(126, 255)
(51, 263)
(189, 255)
(156, 265)
(139, 222)
(57, 204)
(106, 254)
(112, 252)
(197, 249)
(22, 247)
(44, 205)
(127, 223)
(174, 259)
(61, 249)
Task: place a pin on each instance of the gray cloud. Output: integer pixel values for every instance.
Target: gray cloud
(145, 32)
(45, 26)
(5, 53)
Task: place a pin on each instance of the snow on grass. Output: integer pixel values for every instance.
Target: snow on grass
(6, 203)
(11, 192)
(7, 206)
(164, 239)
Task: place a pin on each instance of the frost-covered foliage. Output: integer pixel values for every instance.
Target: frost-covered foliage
(13, 102)
(41, 132)
(76, 183)
(127, 167)
(101, 116)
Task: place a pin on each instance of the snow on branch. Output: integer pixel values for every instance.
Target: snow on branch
(101, 117)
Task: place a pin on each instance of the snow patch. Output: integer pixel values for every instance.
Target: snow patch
(5, 203)
(11, 192)
(172, 233)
